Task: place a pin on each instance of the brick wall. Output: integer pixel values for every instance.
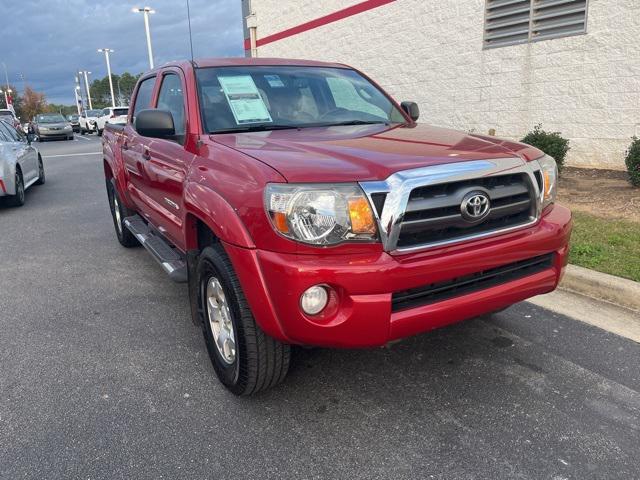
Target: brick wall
(586, 86)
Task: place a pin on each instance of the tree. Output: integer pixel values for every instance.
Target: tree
(32, 103)
(123, 86)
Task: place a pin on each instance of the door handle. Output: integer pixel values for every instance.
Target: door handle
(146, 155)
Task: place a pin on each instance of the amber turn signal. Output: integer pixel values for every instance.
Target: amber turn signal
(361, 216)
(280, 222)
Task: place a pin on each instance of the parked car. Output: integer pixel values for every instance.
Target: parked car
(304, 206)
(88, 121)
(48, 126)
(20, 165)
(74, 121)
(114, 115)
(9, 117)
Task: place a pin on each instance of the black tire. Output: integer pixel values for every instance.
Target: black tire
(260, 362)
(70, 138)
(41, 175)
(17, 200)
(118, 213)
(99, 132)
(82, 132)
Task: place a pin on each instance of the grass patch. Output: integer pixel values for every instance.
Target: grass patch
(609, 246)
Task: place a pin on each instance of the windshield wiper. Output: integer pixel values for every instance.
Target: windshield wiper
(348, 122)
(255, 128)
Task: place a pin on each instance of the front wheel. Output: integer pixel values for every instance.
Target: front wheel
(245, 359)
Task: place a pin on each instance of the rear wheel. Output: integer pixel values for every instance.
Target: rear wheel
(41, 177)
(245, 358)
(17, 200)
(119, 212)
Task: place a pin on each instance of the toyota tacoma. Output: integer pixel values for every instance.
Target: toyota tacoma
(304, 206)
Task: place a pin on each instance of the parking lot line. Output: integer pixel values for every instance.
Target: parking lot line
(83, 138)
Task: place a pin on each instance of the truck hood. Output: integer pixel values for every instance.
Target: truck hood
(366, 152)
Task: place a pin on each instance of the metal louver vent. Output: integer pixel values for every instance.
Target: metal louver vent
(510, 22)
(558, 18)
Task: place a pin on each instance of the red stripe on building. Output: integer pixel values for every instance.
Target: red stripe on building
(318, 22)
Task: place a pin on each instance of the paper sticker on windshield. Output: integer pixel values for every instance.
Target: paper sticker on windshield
(274, 81)
(244, 99)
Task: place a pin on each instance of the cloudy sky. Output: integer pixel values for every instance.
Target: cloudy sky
(48, 40)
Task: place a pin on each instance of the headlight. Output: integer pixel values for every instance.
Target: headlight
(549, 171)
(320, 214)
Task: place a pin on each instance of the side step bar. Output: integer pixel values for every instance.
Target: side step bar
(170, 259)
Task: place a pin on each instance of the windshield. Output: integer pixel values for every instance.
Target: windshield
(6, 114)
(51, 118)
(94, 113)
(72, 118)
(267, 98)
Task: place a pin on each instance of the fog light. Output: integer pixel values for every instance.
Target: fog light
(314, 299)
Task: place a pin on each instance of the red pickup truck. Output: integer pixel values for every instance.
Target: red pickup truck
(304, 206)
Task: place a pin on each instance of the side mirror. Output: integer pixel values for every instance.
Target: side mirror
(411, 109)
(155, 123)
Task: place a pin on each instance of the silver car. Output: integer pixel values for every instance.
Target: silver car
(20, 165)
(51, 126)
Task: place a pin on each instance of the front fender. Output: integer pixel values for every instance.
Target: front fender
(210, 207)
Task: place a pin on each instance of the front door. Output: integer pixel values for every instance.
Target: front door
(134, 148)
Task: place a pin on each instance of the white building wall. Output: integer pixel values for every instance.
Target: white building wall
(586, 86)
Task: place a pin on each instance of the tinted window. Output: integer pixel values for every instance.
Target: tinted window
(4, 135)
(143, 97)
(10, 132)
(171, 98)
(120, 111)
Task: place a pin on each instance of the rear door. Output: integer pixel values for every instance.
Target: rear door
(167, 161)
(135, 149)
(25, 154)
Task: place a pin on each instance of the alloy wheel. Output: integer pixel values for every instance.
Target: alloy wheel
(220, 321)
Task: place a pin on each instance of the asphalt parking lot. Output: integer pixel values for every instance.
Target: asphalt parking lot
(104, 376)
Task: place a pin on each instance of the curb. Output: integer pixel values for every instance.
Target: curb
(602, 286)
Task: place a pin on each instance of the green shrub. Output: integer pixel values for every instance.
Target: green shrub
(551, 143)
(633, 162)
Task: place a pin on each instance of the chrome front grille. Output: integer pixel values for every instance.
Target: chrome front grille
(433, 213)
(423, 208)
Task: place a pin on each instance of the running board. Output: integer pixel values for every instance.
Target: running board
(169, 258)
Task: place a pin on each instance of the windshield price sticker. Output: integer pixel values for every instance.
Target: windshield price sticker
(244, 99)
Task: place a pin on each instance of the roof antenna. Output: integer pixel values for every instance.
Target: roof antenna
(190, 37)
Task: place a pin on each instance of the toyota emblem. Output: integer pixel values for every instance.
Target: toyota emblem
(475, 206)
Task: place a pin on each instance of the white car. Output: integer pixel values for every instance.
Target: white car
(20, 165)
(89, 121)
(114, 115)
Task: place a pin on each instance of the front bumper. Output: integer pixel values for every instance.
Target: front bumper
(55, 134)
(363, 317)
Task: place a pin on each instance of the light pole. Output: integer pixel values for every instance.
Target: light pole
(107, 51)
(75, 91)
(86, 84)
(146, 11)
(6, 75)
(6, 99)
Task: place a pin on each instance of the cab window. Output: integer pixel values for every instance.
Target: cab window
(143, 96)
(171, 98)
